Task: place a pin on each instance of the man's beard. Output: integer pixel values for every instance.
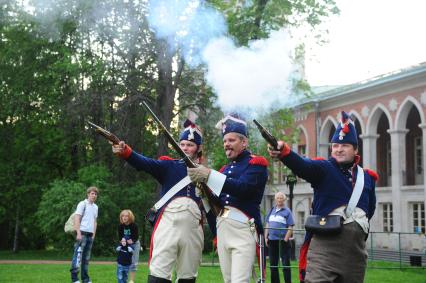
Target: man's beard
(347, 164)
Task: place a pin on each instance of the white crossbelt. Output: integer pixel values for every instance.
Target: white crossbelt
(234, 214)
(356, 194)
(172, 192)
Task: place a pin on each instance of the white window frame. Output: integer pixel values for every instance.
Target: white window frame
(418, 217)
(300, 220)
(387, 216)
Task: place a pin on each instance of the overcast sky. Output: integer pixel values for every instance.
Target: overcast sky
(369, 38)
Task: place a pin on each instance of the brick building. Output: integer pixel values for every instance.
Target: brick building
(389, 115)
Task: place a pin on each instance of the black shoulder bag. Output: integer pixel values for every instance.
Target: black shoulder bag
(333, 224)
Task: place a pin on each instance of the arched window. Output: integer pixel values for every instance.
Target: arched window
(330, 136)
(414, 149)
(383, 153)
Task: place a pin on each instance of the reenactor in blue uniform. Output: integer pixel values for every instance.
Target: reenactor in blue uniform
(240, 186)
(340, 257)
(177, 239)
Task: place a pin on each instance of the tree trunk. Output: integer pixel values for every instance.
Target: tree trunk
(261, 5)
(16, 236)
(165, 93)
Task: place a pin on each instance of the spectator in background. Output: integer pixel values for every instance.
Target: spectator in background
(278, 232)
(124, 260)
(85, 227)
(128, 231)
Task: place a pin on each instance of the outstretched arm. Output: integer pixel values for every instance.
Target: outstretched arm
(310, 170)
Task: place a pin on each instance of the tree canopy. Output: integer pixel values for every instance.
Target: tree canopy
(66, 62)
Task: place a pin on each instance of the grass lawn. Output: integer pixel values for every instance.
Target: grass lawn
(105, 273)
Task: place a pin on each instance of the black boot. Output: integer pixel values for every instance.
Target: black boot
(189, 280)
(153, 279)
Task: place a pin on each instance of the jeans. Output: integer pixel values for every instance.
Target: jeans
(135, 257)
(82, 260)
(122, 273)
(275, 248)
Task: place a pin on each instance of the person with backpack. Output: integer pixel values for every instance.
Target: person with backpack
(85, 230)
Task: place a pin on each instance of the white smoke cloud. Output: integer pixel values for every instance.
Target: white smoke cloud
(246, 79)
(188, 25)
(256, 77)
(252, 78)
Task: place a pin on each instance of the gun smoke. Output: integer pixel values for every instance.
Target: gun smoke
(252, 78)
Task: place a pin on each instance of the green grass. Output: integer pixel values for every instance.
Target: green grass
(54, 273)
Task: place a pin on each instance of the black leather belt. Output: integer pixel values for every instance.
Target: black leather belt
(86, 233)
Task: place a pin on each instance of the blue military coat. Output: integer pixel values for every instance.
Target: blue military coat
(333, 186)
(167, 172)
(246, 177)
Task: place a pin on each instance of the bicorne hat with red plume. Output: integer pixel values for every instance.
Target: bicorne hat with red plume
(191, 132)
(345, 132)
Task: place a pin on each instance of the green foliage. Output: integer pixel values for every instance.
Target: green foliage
(60, 199)
(61, 69)
(248, 20)
(57, 204)
(94, 175)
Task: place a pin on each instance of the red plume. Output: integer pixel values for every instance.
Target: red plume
(345, 128)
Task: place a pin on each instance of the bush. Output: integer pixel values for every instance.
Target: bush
(62, 197)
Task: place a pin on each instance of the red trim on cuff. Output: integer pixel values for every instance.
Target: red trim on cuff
(284, 151)
(165, 157)
(126, 152)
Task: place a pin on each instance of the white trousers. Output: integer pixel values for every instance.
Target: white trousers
(177, 241)
(236, 246)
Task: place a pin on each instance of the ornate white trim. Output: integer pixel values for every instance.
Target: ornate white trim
(393, 104)
(365, 111)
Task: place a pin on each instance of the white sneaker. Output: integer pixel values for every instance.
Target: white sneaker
(76, 282)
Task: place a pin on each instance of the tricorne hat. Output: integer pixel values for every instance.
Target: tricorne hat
(233, 123)
(345, 132)
(191, 132)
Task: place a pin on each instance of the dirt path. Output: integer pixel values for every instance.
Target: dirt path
(51, 262)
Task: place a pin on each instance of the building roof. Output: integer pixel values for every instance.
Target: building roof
(321, 93)
(375, 81)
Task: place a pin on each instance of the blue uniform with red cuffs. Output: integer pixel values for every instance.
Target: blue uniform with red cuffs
(186, 206)
(166, 171)
(246, 177)
(333, 186)
(241, 184)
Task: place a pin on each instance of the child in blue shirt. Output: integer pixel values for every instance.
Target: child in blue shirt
(124, 260)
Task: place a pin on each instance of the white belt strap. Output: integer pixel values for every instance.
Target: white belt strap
(234, 214)
(356, 194)
(170, 193)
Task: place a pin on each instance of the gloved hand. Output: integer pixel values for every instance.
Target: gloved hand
(122, 150)
(199, 192)
(283, 150)
(199, 174)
